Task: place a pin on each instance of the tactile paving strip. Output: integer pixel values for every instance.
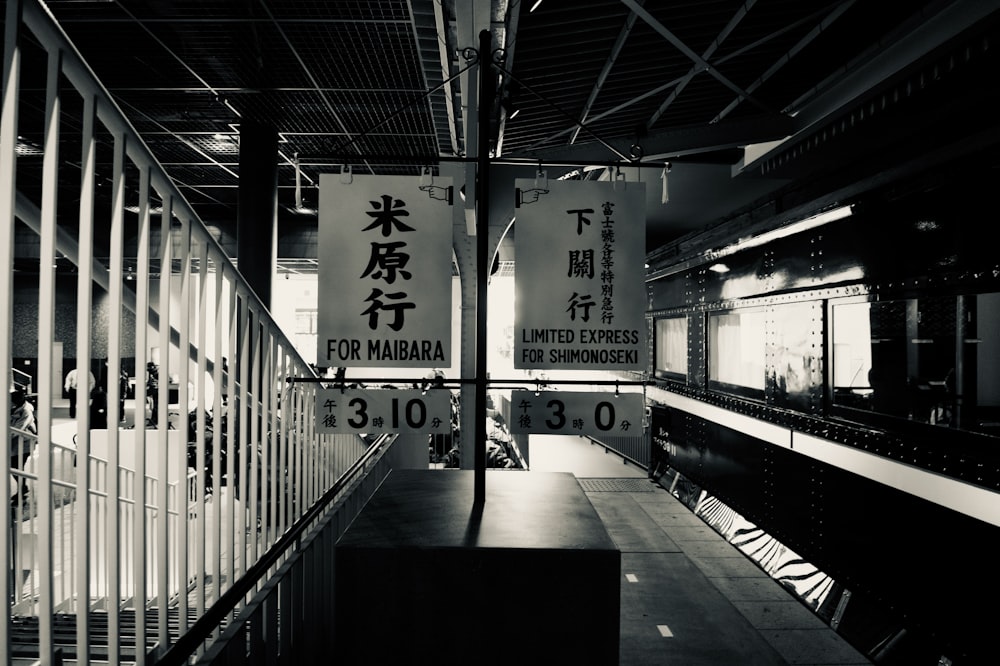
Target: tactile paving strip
(617, 485)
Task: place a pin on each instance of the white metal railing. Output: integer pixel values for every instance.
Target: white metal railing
(126, 531)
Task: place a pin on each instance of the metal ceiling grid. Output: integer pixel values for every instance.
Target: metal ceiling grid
(436, 60)
(358, 55)
(388, 113)
(157, 112)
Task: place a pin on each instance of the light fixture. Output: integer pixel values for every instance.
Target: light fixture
(299, 208)
(535, 6)
(298, 183)
(24, 148)
(509, 107)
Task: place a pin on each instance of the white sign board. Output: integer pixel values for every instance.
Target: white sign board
(378, 411)
(569, 413)
(384, 271)
(579, 280)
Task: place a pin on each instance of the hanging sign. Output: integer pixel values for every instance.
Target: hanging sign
(579, 279)
(384, 271)
(569, 413)
(378, 411)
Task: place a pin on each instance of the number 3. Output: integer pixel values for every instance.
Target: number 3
(558, 413)
(361, 412)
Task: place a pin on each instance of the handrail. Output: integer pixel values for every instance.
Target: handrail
(124, 522)
(187, 643)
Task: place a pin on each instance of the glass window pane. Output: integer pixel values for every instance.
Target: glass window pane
(794, 342)
(926, 360)
(737, 349)
(671, 347)
(982, 342)
(852, 355)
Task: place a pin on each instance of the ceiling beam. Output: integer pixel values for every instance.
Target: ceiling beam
(608, 64)
(702, 65)
(679, 141)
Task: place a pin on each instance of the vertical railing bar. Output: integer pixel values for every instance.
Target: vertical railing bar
(116, 249)
(46, 335)
(183, 500)
(281, 419)
(293, 450)
(317, 453)
(141, 356)
(69, 581)
(288, 417)
(232, 315)
(200, 519)
(330, 536)
(271, 608)
(83, 340)
(306, 466)
(289, 601)
(267, 500)
(138, 522)
(255, 638)
(99, 537)
(8, 163)
(314, 444)
(299, 445)
(256, 528)
(270, 413)
(306, 408)
(305, 451)
(315, 619)
(163, 414)
(239, 414)
(276, 442)
(319, 442)
(268, 494)
(217, 437)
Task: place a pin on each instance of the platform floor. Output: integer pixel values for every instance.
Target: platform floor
(688, 597)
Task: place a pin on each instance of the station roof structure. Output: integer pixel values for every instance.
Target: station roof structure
(743, 98)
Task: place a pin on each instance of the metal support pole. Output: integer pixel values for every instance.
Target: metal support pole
(482, 260)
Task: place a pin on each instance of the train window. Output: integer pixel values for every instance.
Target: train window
(926, 359)
(736, 356)
(852, 354)
(671, 348)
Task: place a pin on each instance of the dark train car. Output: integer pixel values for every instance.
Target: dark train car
(830, 377)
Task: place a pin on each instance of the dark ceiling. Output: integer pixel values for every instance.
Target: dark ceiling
(388, 86)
